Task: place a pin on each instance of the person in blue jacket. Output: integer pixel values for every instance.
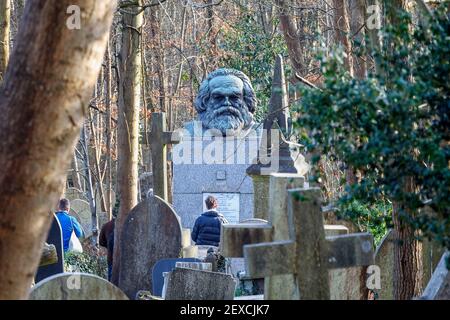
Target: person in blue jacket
(207, 227)
(68, 223)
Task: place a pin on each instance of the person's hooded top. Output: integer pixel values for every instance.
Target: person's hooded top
(207, 228)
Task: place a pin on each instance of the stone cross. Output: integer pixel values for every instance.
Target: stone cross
(234, 236)
(159, 138)
(308, 254)
(439, 286)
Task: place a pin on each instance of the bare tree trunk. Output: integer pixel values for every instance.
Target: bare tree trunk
(5, 27)
(290, 33)
(212, 33)
(373, 22)
(130, 91)
(342, 29)
(62, 67)
(408, 264)
(108, 90)
(16, 15)
(75, 173)
(358, 32)
(97, 148)
(156, 40)
(90, 189)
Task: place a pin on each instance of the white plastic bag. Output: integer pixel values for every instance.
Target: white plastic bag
(75, 244)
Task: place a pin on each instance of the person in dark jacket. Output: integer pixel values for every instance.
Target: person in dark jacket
(106, 239)
(207, 227)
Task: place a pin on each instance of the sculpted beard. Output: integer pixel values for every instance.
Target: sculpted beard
(229, 119)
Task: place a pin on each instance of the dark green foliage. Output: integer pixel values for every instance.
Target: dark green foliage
(87, 263)
(374, 218)
(392, 126)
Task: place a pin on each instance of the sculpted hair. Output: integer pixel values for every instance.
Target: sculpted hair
(201, 101)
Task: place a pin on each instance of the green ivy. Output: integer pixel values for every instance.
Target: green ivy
(392, 126)
(86, 263)
(369, 217)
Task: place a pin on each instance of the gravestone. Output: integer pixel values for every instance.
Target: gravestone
(384, 259)
(223, 176)
(98, 201)
(165, 265)
(345, 283)
(308, 254)
(277, 287)
(203, 266)
(55, 238)
(76, 286)
(348, 283)
(216, 149)
(81, 210)
(49, 255)
(189, 284)
(431, 253)
(439, 286)
(151, 232)
(74, 193)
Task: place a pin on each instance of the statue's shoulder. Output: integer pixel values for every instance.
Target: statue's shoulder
(192, 128)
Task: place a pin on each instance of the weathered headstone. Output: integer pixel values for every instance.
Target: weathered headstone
(348, 283)
(234, 236)
(165, 265)
(98, 200)
(308, 255)
(49, 255)
(189, 250)
(151, 232)
(345, 283)
(189, 284)
(74, 193)
(54, 238)
(431, 254)
(76, 286)
(439, 286)
(81, 210)
(384, 259)
(203, 266)
(432, 251)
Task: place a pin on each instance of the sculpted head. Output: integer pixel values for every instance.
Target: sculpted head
(226, 101)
